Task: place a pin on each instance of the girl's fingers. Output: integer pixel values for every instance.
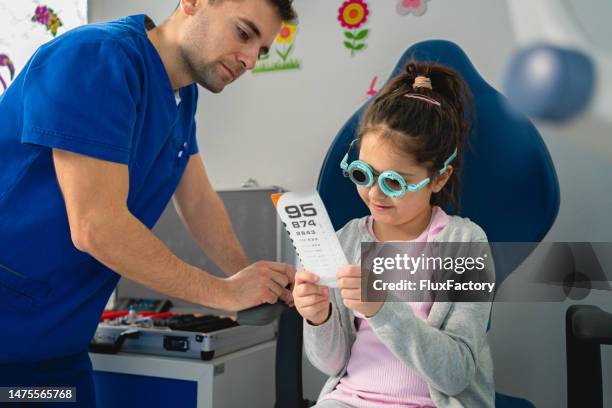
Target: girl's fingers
(349, 271)
(349, 283)
(305, 276)
(351, 294)
(306, 289)
(308, 301)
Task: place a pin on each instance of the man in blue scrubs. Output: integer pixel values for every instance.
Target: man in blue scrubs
(97, 133)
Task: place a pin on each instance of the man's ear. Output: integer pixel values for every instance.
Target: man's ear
(189, 6)
(440, 181)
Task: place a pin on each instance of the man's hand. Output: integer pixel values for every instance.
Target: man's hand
(311, 300)
(349, 283)
(261, 282)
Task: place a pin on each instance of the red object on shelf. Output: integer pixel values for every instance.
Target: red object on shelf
(113, 314)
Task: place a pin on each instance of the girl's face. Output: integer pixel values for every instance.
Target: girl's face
(409, 209)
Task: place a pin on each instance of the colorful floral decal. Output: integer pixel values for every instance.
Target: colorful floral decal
(6, 62)
(416, 7)
(352, 15)
(286, 34)
(283, 46)
(47, 17)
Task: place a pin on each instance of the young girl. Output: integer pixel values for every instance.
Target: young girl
(402, 354)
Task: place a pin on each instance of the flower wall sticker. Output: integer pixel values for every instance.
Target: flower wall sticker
(47, 17)
(283, 46)
(416, 7)
(352, 15)
(285, 37)
(5, 61)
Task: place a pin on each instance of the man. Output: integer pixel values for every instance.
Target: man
(96, 135)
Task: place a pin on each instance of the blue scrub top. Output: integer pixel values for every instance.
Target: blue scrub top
(100, 90)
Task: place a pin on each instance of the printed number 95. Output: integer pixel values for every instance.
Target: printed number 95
(303, 210)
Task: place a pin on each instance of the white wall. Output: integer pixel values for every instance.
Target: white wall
(276, 127)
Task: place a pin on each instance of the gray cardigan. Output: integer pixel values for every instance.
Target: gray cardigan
(449, 350)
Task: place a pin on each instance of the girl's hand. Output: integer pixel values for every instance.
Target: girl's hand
(311, 300)
(349, 282)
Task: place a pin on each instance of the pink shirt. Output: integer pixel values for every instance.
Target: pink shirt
(374, 376)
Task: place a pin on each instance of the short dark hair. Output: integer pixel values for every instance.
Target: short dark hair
(284, 8)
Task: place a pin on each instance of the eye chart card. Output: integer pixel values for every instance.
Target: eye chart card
(311, 231)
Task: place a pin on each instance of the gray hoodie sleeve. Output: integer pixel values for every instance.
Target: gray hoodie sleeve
(326, 345)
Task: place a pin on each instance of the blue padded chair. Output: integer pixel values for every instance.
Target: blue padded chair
(509, 184)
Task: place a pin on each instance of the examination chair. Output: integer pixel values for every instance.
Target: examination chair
(509, 187)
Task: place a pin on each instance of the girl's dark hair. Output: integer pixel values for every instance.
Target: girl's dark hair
(421, 128)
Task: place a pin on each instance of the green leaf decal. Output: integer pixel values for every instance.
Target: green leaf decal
(362, 34)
